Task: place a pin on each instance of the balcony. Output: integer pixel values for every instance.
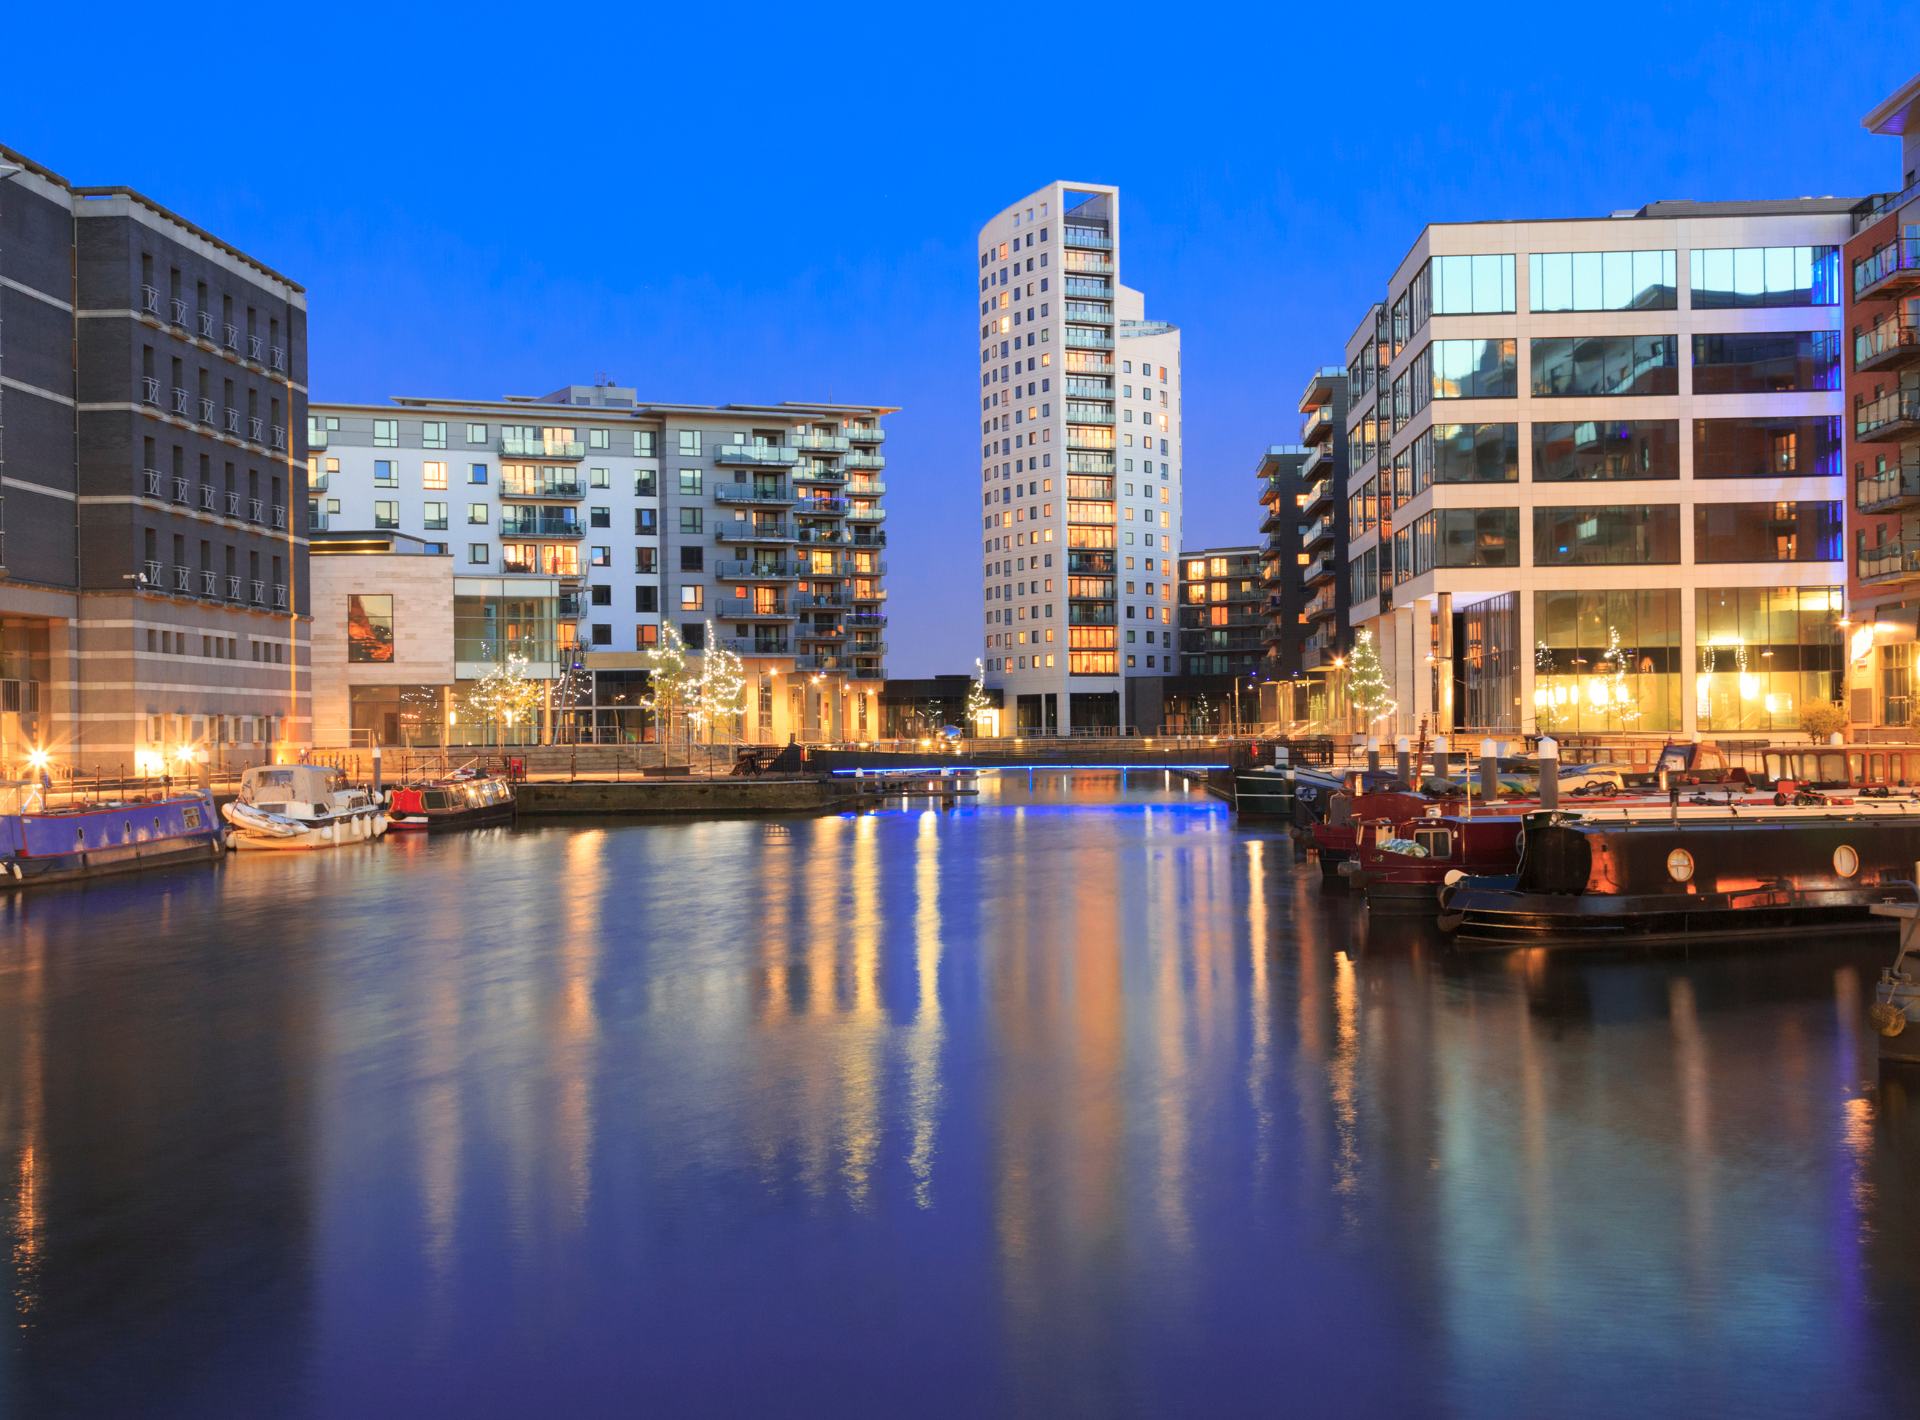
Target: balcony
(879, 569)
(1891, 345)
(318, 521)
(149, 390)
(233, 505)
(865, 620)
(279, 515)
(1894, 270)
(209, 583)
(1898, 487)
(233, 589)
(758, 571)
(1084, 364)
(233, 422)
(1080, 337)
(206, 325)
(540, 449)
(1085, 239)
(1890, 562)
(866, 515)
(279, 596)
(1318, 532)
(746, 646)
(866, 488)
(543, 483)
(1089, 389)
(1890, 418)
(149, 305)
(867, 648)
(1089, 413)
(816, 442)
(1087, 288)
(182, 406)
(318, 482)
(182, 491)
(279, 358)
(259, 597)
(1324, 603)
(277, 436)
(813, 534)
(873, 463)
(179, 311)
(834, 632)
(819, 663)
(1080, 264)
(820, 473)
(254, 427)
(316, 436)
(206, 410)
(254, 505)
(747, 608)
(869, 537)
(758, 530)
(1319, 462)
(1278, 515)
(183, 580)
(869, 672)
(256, 347)
(757, 455)
(533, 524)
(152, 578)
(153, 483)
(232, 336)
(773, 493)
(207, 497)
(820, 508)
(806, 601)
(1088, 313)
(1320, 495)
(1321, 569)
(861, 434)
(1318, 425)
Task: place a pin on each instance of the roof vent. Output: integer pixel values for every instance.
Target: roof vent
(1625, 212)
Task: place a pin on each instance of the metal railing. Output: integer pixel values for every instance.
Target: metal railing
(206, 410)
(280, 358)
(259, 593)
(206, 324)
(149, 300)
(232, 334)
(180, 403)
(1897, 263)
(256, 347)
(540, 449)
(777, 492)
(821, 443)
(279, 516)
(183, 579)
(280, 596)
(179, 311)
(750, 607)
(1896, 485)
(152, 483)
(860, 434)
(1891, 342)
(149, 390)
(233, 589)
(152, 574)
(1897, 407)
(1891, 561)
(775, 454)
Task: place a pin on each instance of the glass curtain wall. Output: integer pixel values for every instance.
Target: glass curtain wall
(1487, 664)
(1607, 660)
(1763, 653)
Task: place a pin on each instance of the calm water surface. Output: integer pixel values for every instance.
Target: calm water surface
(1073, 1100)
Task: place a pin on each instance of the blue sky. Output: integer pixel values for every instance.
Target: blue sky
(762, 203)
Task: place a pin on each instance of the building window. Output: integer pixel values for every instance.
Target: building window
(601, 595)
(1607, 660)
(597, 478)
(476, 433)
(1747, 278)
(1602, 281)
(477, 553)
(386, 433)
(369, 628)
(477, 473)
(1464, 537)
(1762, 653)
(602, 633)
(693, 634)
(643, 484)
(434, 517)
(596, 438)
(646, 559)
(690, 443)
(646, 599)
(478, 513)
(690, 481)
(643, 444)
(690, 520)
(1465, 453)
(433, 474)
(1760, 362)
(433, 436)
(1605, 450)
(1632, 533)
(1766, 532)
(599, 517)
(383, 476)
(692, 559)
(1605, 365)
(599, 556)
(1463, 286)
(1766, 448)
(386, 515)
(643, 522)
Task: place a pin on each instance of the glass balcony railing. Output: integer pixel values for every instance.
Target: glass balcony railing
(755, 646)
(871, 462)
(757, 530)
(1888, 272)
(1892, 416)
(1088, 312)
(768, 454)
(1888, 346)
(749, 607)
(1081, 337)
(540, 449)
(756, 570)
(543, 483)
(1086, 263)
(1890, 562)
(1086, 238)
(1087, 289)
(860, 434)
(816, 442)
(772, 491)
(1090, 389)
(1895, 487)
(534, 523)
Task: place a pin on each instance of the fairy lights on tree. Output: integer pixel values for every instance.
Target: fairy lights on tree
(669, 683)
(979, 707)
(716, 699)
(1368, 689)
(505, 696)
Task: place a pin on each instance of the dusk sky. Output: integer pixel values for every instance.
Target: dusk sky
(755, 204)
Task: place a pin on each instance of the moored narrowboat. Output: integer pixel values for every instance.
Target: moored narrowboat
(450, 803)
(41, 845)
(1694, 874)
(1403, 867)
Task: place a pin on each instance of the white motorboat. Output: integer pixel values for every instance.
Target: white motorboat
(286, 806)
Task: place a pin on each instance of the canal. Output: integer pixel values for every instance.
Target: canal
(1070, 1100)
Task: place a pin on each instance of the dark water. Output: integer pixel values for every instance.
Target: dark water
(1072, 1101)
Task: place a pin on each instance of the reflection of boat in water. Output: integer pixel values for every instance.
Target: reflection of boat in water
(296, 806)
(54, 845)
(450, 803)
(1895, 1012)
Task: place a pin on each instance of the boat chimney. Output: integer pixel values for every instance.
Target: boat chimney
(1836, 738)
(376, 771)
(1549, 762)
(1489, 772)
(1403, 759)
(1373, 751)
(1441, 770)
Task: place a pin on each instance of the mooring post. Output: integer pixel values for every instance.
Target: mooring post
(1489, 772)
(1548, 758)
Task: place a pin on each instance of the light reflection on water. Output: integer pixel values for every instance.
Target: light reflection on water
(1071, 1099)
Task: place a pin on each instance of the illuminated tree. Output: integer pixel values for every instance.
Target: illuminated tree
(979, 707)
(1549, 701)
(573, 690)
(669, 683)
(505, 696)
(716, 698)
(1368, 689)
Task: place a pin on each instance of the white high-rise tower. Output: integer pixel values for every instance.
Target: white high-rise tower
(1080, 470)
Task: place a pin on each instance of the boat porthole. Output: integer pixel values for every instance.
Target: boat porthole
(1679, 865)
(1846, 862)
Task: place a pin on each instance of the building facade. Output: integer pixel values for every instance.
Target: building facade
(584, 528)
(1882, 266)
(153, 559)
(1595, 486)
(1080, 468)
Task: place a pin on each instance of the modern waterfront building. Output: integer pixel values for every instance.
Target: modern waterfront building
(575, 526)
(1221, 622)
(1080, 465)
(153, 558)
(1595, 486)
(1881, 263)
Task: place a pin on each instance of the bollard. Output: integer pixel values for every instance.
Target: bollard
(376, 774)
(1441, 769)
(1489, 772)
(1673, 801)
(1373, 752)
(1403, 759)
(1548, 758)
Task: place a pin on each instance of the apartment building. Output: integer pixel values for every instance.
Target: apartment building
(575, 526)
(1595, 483)
(153, 558)
(1284, 499)
(1080, 468)
(1882, 264)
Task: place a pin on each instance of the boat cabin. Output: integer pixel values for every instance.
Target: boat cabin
(295, 789)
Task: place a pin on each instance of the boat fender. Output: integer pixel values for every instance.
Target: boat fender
(326, 834)
(1886, 1018)
(1453, 876)
(380, 823)
(15, 869)
(1349, 868)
